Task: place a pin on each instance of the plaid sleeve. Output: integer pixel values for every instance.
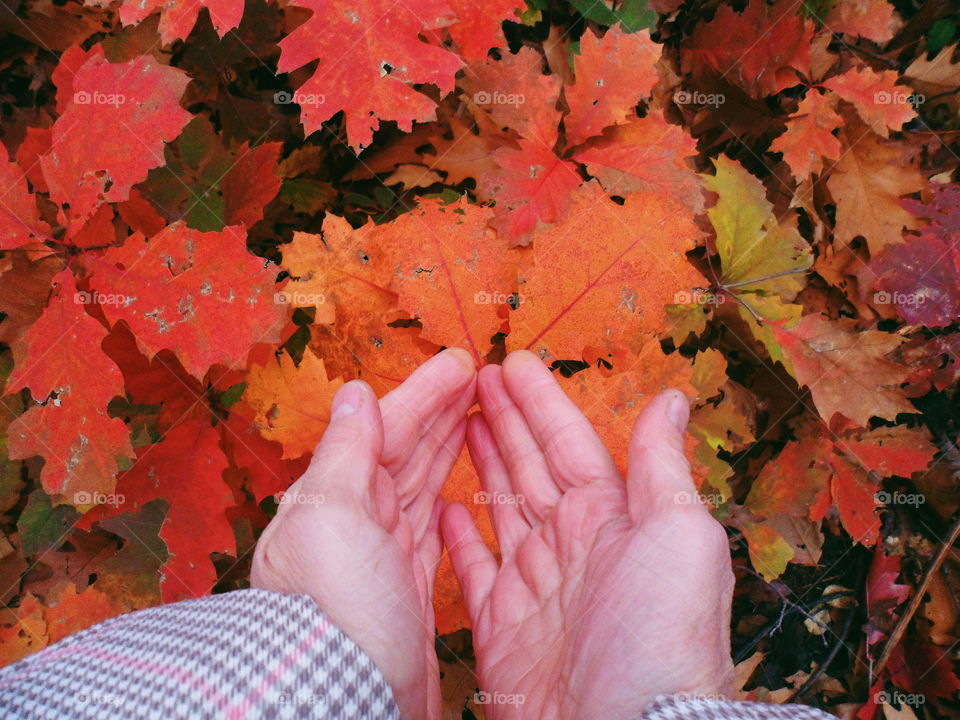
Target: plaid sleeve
(693, 707)
(245, 654)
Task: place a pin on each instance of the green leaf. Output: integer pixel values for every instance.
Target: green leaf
(306, 195)
(42, 526)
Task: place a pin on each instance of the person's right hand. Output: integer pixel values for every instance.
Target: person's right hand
(608, 593)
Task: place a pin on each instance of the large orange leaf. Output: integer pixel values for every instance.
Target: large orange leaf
(603, 276)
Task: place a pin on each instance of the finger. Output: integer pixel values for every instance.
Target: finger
(529, 473)
(418, 470)
(573, 450)
(508, 522)
(409, 409)
(348, 455)
(473, 564)
(658, 475)
(437, 474)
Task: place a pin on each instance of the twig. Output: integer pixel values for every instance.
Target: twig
(915, 601)
(841, 642)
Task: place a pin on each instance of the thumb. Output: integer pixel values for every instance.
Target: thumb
(349, 453)
(658, 473)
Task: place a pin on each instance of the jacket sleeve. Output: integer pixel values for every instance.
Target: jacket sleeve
(693, 707)
(244, 654)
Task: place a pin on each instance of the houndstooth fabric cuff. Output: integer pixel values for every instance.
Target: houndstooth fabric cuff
(244, 654)
(691, 707)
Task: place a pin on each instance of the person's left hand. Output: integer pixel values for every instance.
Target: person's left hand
(359, 531)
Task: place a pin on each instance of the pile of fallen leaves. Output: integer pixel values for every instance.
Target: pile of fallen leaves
(213, 214)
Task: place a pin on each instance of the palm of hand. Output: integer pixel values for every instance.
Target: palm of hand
(359, 531)
(601, 600)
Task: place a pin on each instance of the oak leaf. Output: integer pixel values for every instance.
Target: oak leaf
(871, 19)
(648, 154)
(184, 469)
(847, 372)
(370, 54)
(291, 401)
(867, 184)
(613, 74)
(201, 295)
(61, 361)
(111, 131)
(882, 104)
(177, 17)
(921, 276)
(809, 137)
(762, 49)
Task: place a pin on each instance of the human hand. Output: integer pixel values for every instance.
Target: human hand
(608, 593)
(359, 531)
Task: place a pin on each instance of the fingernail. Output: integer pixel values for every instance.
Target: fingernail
(678, 411)
(347, 400)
